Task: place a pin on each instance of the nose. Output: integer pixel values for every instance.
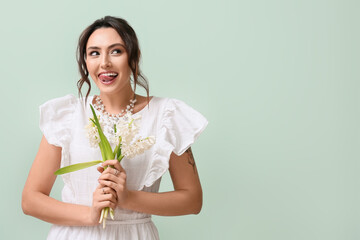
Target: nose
(105, 63)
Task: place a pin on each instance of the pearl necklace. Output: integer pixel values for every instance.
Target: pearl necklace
(113, 117)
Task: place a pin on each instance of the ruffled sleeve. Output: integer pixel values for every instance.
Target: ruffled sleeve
(55, 120)
(179, 127)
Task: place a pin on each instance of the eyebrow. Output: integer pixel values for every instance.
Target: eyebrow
(111, 46)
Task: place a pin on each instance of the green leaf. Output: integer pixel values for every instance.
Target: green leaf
(75, 167)
(102, 153)
(105, 147)
(118, 154)
(116, 150)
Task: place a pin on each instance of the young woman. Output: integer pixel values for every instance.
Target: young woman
(108, 51)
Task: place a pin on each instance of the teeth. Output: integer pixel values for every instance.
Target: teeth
(109, 74)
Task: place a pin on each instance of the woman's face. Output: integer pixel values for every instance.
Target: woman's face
(107, 61)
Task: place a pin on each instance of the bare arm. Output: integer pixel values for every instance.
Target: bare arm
(36, 201)
(185, 199)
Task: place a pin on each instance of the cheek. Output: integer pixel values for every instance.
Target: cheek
(90, 67)
(92, 74)
(123, 63)
(125, 66)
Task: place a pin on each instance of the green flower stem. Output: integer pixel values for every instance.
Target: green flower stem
(101, 216)
(107, 154)
(106, 211)
(112, 214)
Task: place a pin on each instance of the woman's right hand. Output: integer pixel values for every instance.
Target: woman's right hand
(102, 197)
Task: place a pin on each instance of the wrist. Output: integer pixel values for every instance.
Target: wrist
(89, 218)
(127, 202)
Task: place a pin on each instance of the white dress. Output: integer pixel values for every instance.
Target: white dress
(175, 126)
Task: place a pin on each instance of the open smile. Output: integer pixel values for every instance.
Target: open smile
(107, 77)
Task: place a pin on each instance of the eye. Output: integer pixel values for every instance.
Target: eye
(93, 53)
(117, 51)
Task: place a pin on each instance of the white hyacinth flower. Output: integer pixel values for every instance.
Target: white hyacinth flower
(139, 146)
(127, 128)
(114, 139)
(92, 134)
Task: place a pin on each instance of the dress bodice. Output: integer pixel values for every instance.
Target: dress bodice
(173, 123)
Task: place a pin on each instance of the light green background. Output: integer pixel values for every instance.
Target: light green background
(277, 80)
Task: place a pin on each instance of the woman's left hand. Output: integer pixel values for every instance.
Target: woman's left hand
(115, 178)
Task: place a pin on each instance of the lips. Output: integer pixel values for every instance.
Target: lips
(107, 77)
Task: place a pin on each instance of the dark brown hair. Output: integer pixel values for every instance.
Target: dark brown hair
(128, 35)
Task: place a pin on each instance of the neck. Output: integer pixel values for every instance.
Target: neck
(116, 102)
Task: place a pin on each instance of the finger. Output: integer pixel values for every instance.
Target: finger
(113, 171)
(114, 163)
(120, 180)
(100, 169)
(110, 163)
(122, 175)
(108, 190)
(111, 184)
(100, 190)
(98, 194)
(104, 194)
(107, 197)
(109, 177)
(104, 204)
(116, 172)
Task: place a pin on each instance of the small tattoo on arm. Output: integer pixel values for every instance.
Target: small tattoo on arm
(191, 159)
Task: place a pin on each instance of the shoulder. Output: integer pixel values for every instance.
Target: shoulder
(175, 111)
(62, 108)
(160, 107)
(56, 118)
(61, 101)
(166, 103)
(175, 106)
(67, 102)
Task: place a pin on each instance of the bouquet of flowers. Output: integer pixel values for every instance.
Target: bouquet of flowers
(126, 145)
